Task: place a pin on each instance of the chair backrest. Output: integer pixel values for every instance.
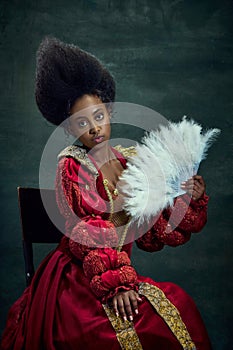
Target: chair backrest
(36, 225)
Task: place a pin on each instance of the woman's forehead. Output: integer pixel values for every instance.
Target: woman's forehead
(86, 104)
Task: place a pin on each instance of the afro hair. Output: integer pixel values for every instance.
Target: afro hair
(64, 73)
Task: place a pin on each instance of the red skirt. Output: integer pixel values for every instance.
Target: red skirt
(58, 311)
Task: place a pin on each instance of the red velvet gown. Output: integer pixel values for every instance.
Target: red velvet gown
(66, 307)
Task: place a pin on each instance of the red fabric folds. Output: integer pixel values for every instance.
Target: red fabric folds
(62, 310)
(90, 234)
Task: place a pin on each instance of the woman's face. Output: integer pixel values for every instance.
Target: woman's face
(90, 121)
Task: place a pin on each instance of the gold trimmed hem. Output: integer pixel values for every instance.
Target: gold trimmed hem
(125, 331)
(168, 312)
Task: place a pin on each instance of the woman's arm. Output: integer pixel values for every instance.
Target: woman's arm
(92, 238)
(175, 225)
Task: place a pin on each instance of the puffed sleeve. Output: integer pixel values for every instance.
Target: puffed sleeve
(174, 225)
(92, 235)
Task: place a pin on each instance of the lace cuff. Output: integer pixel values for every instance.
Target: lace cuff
(111, 282)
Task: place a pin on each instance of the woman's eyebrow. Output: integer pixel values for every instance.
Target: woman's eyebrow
(100, 109)
(80, 117)
(97, 110)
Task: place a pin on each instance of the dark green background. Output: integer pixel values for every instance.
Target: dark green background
(173, 56)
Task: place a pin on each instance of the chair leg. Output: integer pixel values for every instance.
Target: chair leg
(28, 260)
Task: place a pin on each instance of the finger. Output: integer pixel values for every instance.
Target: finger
(134, 302)
(194, 196)
(197, 188)
(200, 179)
(200, 190)
(121, 308)
(187, 184)
(197, 193)
(139, 300)
(190, 187)
(128, 308)
(191, 180)
(197, 183)
(138, 297)
(194, 187)
(114, 305)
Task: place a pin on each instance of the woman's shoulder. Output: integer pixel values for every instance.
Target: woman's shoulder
(78, 156)
(74, 159)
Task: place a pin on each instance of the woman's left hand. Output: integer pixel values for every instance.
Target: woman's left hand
(125, 303)
(195, 186)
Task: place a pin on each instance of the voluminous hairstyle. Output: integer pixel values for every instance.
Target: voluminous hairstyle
(63, 74)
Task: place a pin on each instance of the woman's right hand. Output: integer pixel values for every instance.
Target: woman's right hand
(125, 304)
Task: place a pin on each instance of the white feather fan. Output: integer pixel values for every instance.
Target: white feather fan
(165, 158)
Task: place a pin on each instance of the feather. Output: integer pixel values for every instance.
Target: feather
(164, 158)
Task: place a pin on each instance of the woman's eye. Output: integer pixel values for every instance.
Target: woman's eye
(82, 123)
(99, 116)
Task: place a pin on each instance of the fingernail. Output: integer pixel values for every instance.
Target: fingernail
(136, 311)
(131, 318)
(124, 318)
(117, 314)
(182, 183)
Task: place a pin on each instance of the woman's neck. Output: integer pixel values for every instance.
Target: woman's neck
(102, 154)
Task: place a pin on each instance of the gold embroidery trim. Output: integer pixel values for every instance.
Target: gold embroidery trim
(168, 312)
(126, 151)
(79, 154)
(126, 226)
(125, 331)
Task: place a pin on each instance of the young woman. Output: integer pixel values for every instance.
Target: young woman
(86, 294)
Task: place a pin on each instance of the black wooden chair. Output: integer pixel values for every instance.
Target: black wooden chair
(37, 227)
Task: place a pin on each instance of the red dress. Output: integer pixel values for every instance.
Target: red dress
(66, 306)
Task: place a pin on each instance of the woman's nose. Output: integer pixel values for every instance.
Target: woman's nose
(94, 129)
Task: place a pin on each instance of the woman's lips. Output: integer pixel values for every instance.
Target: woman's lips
(98, 139)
